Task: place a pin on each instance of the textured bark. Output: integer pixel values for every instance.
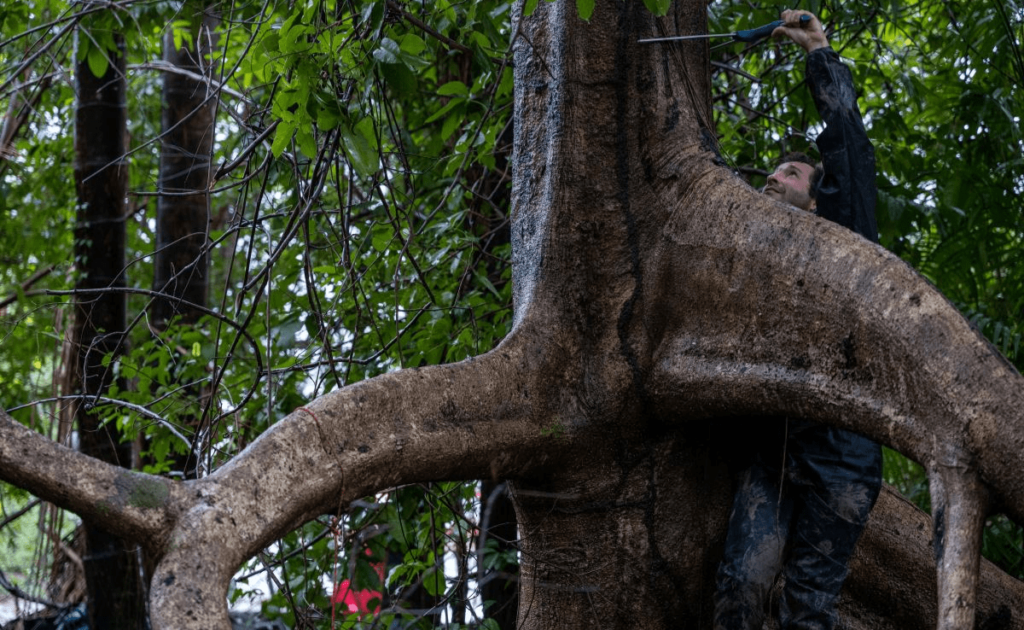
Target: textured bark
(656, 296)
(183, 214)
(111, 571)
(477, 418)
(695, 297)
(131, 505)
(890, 585)
(181, 264)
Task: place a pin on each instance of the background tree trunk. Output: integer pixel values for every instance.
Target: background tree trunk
(500, 591)
(116, 599)
(181, 264)
(183, 208)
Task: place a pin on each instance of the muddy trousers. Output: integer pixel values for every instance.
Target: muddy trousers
(799, 523)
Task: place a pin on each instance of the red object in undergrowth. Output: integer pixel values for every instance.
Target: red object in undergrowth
(355, 601)
(358, 602)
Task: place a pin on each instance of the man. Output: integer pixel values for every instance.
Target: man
(802, 505)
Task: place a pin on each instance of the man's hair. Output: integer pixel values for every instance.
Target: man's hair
(816, 176)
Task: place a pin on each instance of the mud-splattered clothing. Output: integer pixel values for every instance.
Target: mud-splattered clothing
(801, 515)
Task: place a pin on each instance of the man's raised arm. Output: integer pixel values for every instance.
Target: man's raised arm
(847, 192)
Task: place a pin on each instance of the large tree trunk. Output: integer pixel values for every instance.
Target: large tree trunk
(679, 294)
(657, 296)
(115, 593)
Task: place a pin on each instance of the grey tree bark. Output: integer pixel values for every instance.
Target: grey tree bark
(656, 295)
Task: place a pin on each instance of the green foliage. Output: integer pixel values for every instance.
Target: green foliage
(585, 8)
(364, 232)
(657, 7)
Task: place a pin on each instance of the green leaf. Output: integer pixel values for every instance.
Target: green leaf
(282, 136)
(361, 154)
(178, 30)
(305, 140)
(529, 7)
(97, 60)
(381, 240)
(450, 125)
(400, 78)
(453, 87)
(373, 15)
(444, 110)
(482, 279)
(388, 51)
(368, 131)
(433, 581)
(290, 34)
(413, 44)
(160, 449)
(327, 118)
(585, 8)
(657, 7)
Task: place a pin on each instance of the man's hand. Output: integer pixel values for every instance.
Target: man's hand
(808, 34)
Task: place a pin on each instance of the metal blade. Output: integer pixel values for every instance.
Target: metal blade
(681, 37)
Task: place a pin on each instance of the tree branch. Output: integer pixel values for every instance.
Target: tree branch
(129, 504)
(805, 318)
(479, 418)
(420, 24)
(890, 583)
(27, 284)
(13, 589)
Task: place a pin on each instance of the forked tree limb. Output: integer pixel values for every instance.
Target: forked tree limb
(483, 417)
(480, 418)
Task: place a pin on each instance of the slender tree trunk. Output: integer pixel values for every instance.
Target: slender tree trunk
(116, 597)
(183, 210)
(498, 532)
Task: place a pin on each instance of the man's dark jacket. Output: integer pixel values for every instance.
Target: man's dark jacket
(847, 192)
(831, 476)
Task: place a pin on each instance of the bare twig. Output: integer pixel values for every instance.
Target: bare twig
(13, 517)
(95, 401)
(27, 284)
(735, 70)
(448, 41)
(13, 589)
(163, 66)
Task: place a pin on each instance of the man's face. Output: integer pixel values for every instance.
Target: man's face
(791, 183)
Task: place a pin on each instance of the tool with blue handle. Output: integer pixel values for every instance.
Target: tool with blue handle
(749, 36)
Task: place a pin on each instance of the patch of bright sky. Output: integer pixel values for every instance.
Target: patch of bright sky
(927, 195)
